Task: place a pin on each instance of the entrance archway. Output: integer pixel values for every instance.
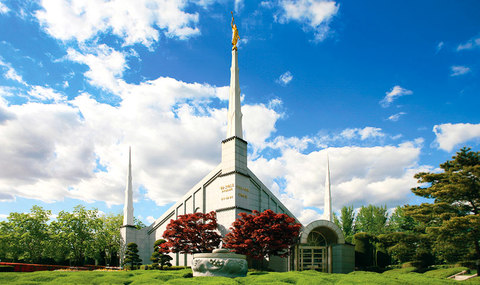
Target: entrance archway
(315, 248)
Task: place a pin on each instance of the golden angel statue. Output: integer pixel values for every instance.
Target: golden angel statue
(235, 36)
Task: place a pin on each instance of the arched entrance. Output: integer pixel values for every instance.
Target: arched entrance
(315, 248)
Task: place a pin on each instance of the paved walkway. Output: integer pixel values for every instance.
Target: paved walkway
(464, 277)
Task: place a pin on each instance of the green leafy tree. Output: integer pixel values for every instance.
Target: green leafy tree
(24, 236)
(131, 255)
(371, 219)
(10, 248)
(74, 233)
(346, 222)
(399, 221)
(36, 233)
(158, 256)
(138, 223)
(107, 238)
(454, 217)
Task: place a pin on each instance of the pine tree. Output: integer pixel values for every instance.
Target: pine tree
(454, 217)
(131, 255)
(346, 222)
(158, 256)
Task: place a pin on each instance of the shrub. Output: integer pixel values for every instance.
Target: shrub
(6, 268)
(364, 249)
(188, 275)
(176, 268)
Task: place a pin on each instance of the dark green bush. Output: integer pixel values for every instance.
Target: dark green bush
(468, 263)
(176, 267)
(364, 250)
(188, 275)
(6, 268)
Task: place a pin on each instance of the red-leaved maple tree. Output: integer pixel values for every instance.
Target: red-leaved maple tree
(191, 233)
(265, 234)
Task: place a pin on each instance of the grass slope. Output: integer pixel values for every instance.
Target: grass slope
(178, 277)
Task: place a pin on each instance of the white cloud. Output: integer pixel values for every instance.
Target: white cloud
(133, 21)
(283, 143)
(470, 44)
(359, 176)
(396, 117)
(239, 4)
(266, 4)
(450, 136)
(3, 9)
(362, 134)
(150, 219)
(397, 91)
(50, 151)
(308, 215)
(350, 136)
(439, 47)
(11, 73)
(5, 115)
(45, 94)
(459, 70)
(259, 123)
(285, 78)
(105, 64)
(314, 14)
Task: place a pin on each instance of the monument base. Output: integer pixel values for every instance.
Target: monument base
(221, 262)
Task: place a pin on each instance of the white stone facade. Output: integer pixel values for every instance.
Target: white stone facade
(227, 195)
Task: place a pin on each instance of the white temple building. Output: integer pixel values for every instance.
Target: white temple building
(232, 188)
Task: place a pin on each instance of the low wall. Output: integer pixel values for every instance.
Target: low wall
(343, 258)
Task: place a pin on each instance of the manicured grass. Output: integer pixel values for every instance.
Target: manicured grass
(398, 276)
(445, 272)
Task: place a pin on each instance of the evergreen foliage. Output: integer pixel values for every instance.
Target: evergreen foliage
(364, 249)
(131, 255)
(372, 219)
(400, 222)
(453, 220)
(158, 256)
(346, 222)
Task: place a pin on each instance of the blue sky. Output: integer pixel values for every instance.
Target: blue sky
(389, 88)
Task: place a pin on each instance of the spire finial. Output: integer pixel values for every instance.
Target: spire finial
(234, 108)
(235, 36)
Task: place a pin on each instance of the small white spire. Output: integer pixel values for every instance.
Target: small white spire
(128, 206)
(327, 210)
(234, 108)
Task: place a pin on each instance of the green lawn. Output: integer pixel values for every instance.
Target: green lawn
(181, 277)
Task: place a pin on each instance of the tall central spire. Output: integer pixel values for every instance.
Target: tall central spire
(128, 206)
(327, 210)
(234, 108)
(234, 148)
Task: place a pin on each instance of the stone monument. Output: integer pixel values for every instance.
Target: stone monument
(221, 262)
